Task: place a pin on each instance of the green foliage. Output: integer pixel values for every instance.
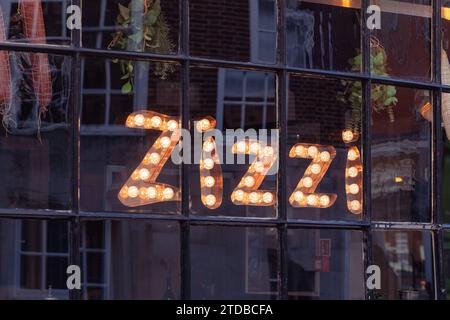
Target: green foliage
(141, 26)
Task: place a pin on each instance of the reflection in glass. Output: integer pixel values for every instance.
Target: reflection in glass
(236, 99)
(324, 131)
(405, 259)
(146, 26)
(110, 149)
(35, 21)
(323, 35)
(35, 133)
(37, 268)
(401, 154)
(325, 264)
(234, 263)
(402, 46)
(240, 30)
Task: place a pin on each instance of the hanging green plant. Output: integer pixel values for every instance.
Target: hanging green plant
(142, 26)
(383, 97)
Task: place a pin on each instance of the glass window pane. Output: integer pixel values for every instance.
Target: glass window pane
(35, 21)
(325, 264)
(232, 29)
(234, 263)
(324, 173)
(114, 151)
(323, 35)
(401, 47)
(405, 259)
(138, 260)
(144, 26)
(445, 50)
(401, 154)
(242, 103)
(35, 135)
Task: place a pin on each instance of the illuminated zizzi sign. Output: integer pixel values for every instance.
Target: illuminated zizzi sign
(142, 187)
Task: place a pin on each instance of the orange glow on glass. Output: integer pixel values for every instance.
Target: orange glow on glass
(304, 196)
(141, 187)
(247, 192)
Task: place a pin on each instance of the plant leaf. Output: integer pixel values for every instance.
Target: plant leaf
(127, 87)
(137, 37)
(124, 11)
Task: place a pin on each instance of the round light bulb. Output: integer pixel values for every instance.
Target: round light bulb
(353, 188)
(152, 192)
(241, 147)
(258, 166)
(267, 197)
(253, 197)
(135, 175)
(307, 182)
(311, 200)
(155, 158)
(239, 195)
(210, 200)
(139, 120)
(168, 193)
(299, 151)
(347, 136)
(324, 200)
(124, 192)
(209, 181)
(352, 155)
(312, 151)
(156, 122)
(208, 163)
(133, 192)
(325, 156)
(208, 146)
(315, 168)
(352, 172)
(165, 142)
(268, 151)
(255, 147)
(203, 125)
(355, 205)
(172, 125)
(144, 174)
(299, 196)
(249, 181)
(143, 193)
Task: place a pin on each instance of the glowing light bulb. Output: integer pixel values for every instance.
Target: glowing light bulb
(144, 174)
(255, 147)
(352, 155)
(154, 158)
(312, 151)
(168, 193)
(347, 136)
(143, 193)
(307, 182)
(133, 192)
(152, 192)
(253, 197)
(299, 196)
(208, 163)
(135, 175)
(258, 166)
(239, 195)
(267, 197)
(249, 181)
(203, 125)
(165, 142)
(210, 200)
(241, 147)
(156, 122)
(353, 188)
(139, 120)
(208, 146)
(315, 168)
(299, 151)
(123, 192)
(352, 172)
(355, 205)
(311, 199)
(324, 200)
(209, 181)
(325, 156)
(172, 125)
(268, 151)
